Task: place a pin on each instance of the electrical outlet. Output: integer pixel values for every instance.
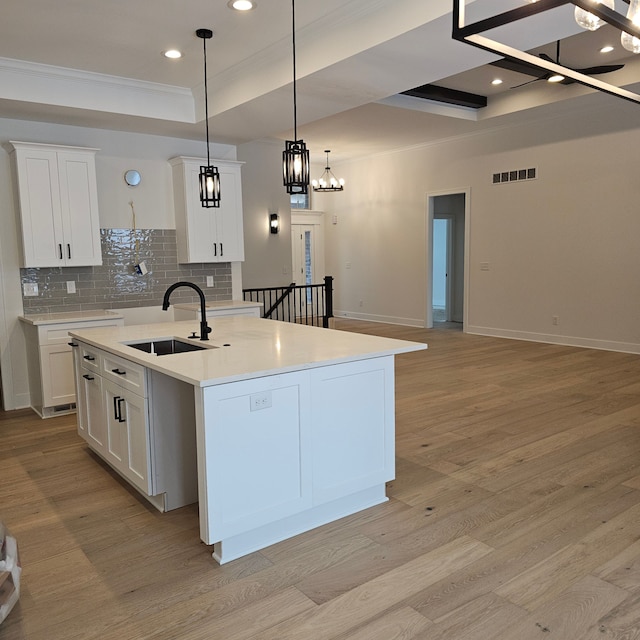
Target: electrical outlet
(71, 286)
(30, 289)
(260, 401)
(209, 281)
(555, 320)
(484, 266)
(361, 303)
(347, 265)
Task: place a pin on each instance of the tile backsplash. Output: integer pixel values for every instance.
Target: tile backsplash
(115, 284)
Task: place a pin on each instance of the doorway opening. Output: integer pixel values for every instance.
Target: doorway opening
(447, 263)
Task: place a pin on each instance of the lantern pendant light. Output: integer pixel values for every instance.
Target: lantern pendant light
(209, 177)
(295, 157)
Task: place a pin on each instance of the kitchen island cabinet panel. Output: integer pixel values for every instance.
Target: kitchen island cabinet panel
(257, 450)
(353, 446)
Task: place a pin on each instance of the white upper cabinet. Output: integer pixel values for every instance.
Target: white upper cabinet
(208, 234)
(58, 205)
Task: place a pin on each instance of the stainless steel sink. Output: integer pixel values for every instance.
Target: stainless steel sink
(168, 346)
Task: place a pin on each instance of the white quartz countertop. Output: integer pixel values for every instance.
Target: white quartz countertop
(70, 316)
(256, 348)
(219, 305)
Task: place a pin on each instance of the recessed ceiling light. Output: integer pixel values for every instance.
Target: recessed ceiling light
(556, 78)
(174, 54)
(607, 49)
(496, 81)
(241, 5)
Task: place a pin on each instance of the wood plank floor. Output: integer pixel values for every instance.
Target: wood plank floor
(515, 515)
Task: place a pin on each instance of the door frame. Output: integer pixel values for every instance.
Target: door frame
(431, 196)
(315, 218)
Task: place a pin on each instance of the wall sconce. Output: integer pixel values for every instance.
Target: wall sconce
(274, 222)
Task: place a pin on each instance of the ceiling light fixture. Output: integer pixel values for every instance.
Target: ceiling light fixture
(606, 49)
(241, 5)
(209, 177)
(473, 34)
(295, 157)
(327, 181)
(173, 54)
(557, 77)
(588, 20)
(496, 81)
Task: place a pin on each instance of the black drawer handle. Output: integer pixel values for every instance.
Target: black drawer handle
(72, 344)
(120, 418)
(69, 251)
(86, 376)
(60, 251)
(120, 373)
(90, 358)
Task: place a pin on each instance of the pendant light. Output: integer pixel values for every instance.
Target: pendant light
(295, 157)
(327, 181)
(629, 42)
(588, 20)
(209, 177)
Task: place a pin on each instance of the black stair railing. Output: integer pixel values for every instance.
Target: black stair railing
(305, 304)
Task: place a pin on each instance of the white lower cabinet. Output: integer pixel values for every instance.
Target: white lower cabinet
(150, 444)
(127, 442)
(50, 362)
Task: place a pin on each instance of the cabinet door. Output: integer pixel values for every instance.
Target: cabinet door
(229, 232)
(208, 234)
(137, 462)
(81, 396)
(115, 449)
(254, 455)
(93, 410)
(58, 384)
(128, 441)
(40, 208)
(79, 209)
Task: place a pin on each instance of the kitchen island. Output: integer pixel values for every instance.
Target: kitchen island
(274, 428)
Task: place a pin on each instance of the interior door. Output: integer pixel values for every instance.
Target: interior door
(304, 262)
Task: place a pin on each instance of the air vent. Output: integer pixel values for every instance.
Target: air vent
(515, 175)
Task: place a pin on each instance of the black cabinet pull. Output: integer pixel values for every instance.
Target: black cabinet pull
(215, 249)
(115, 408)
(69, 251)
(72, 344)
(90, 358)
(120, 418)
(86, 376)
(221, 250)
(120, 373)
(60, 250)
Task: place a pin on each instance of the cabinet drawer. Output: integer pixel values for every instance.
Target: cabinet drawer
(90, 357)
(59, 333)
(127, 374)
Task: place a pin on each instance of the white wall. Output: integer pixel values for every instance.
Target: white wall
(566, 244)
(267, 256)
(153, 202)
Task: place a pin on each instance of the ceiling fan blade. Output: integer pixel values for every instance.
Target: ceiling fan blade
(604, 68)
(518, 67)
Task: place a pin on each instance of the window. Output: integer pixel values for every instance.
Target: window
(300, 201)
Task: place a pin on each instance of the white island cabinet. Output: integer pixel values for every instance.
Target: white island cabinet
(274, 428)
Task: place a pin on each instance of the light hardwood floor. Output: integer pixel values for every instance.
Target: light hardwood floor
(515, 515)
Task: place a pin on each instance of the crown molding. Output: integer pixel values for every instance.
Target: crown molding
(47, 84)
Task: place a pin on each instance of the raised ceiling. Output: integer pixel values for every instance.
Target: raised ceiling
(100, 64)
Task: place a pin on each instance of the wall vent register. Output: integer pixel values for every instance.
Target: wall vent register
(515, 175)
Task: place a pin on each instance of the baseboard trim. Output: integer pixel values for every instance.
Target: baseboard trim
(568, 341)
(370, 317)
